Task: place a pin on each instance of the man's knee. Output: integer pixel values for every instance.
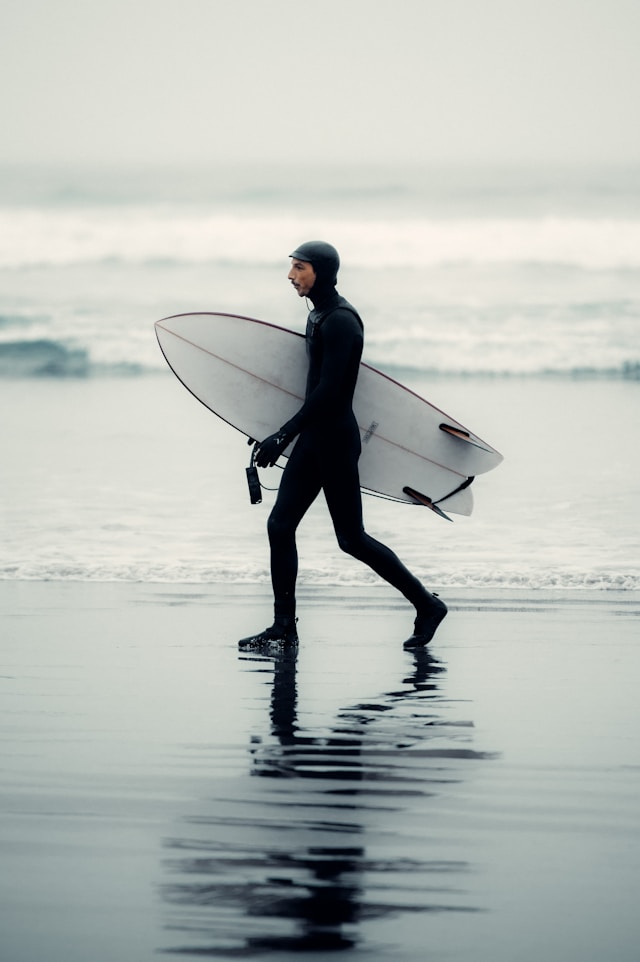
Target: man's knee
(278, 528)
(350, 542)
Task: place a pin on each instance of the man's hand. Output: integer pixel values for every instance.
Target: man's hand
(271, 448)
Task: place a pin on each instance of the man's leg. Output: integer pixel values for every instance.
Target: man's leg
(344, 500)
(299, 486)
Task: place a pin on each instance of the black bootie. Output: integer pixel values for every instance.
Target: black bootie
(427, 620)
(281, 634)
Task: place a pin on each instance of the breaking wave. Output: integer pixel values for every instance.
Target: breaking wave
(137, 235)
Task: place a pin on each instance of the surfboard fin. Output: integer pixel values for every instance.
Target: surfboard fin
(426, 501)
(462, 435)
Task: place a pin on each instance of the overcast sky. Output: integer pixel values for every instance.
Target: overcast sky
(353, 81)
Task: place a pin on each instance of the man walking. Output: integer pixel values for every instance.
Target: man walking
(325, 457)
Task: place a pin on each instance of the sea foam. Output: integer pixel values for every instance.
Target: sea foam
(62, 237)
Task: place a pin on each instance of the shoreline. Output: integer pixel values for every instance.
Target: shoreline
(377, 593)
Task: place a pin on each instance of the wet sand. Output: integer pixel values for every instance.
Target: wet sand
(160, 794)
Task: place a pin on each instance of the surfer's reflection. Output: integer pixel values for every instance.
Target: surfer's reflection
(329, 833)
(330, 900)
(321, 891)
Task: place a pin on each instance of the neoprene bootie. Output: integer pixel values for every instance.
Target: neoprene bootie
(426, 623)
(281, 633)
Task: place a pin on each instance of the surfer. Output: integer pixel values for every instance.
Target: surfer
(325, 457)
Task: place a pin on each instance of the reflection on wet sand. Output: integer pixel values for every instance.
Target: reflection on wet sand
(338, 838)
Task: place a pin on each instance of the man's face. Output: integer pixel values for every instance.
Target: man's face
(302, 276)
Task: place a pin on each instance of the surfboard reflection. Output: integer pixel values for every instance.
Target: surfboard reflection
(328, 836)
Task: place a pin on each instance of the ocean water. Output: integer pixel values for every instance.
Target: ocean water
(511, 299)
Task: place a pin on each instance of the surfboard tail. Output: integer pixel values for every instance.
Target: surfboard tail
(460, 502)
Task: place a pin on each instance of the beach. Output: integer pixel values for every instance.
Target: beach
(161, 794)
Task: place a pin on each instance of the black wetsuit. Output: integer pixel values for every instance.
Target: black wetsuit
(325, 458)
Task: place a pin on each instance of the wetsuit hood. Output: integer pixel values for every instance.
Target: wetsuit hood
(325, 261)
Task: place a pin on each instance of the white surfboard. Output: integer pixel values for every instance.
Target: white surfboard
(253, 375)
